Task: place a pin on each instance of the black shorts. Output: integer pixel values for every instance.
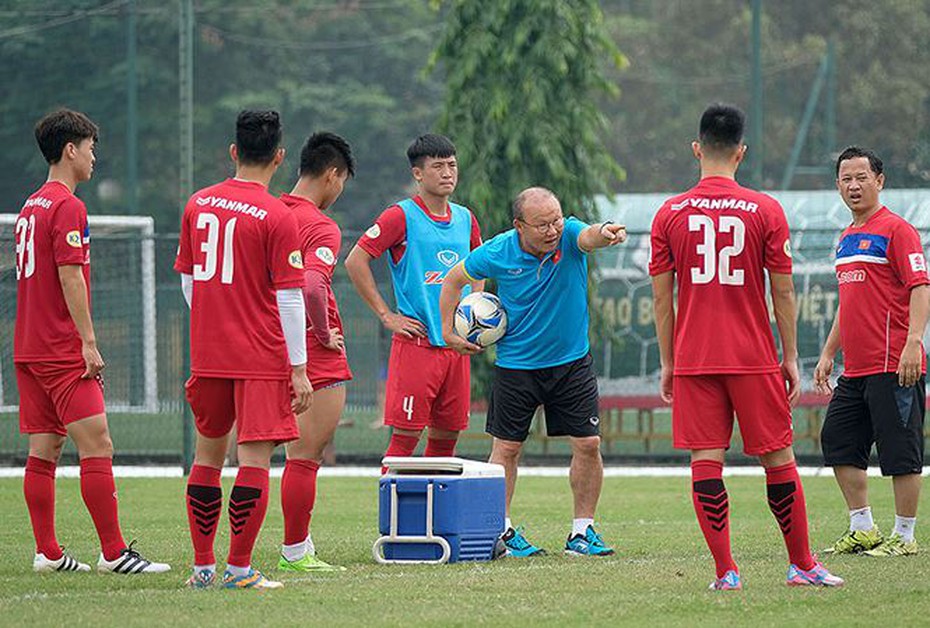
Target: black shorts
(568, 394)
(875, 409)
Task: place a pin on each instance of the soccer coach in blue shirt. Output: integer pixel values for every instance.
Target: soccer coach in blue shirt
(541, 269)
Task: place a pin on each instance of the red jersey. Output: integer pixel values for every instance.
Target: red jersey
(320, 241)
(719, 238)
(390, 231)
(51, 231)
(240, 244)
(877, 265)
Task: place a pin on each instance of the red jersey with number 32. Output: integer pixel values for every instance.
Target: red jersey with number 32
(51, 231)
(320, 241)
(719, 238)
(240, 244)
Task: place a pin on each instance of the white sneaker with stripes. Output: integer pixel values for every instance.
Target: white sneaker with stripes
(67, 562)
(130, 562)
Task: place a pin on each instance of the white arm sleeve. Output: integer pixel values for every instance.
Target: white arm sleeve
(187, 287)
(294, 323)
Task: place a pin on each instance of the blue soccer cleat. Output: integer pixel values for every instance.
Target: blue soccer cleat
(729, 582)
(588, 544)
(517, 545)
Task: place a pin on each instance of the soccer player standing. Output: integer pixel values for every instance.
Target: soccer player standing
(55, 352)
(881, 396)
(242, 274)
(326, 162)
(428, 384)
(717, 240)
(544, 359)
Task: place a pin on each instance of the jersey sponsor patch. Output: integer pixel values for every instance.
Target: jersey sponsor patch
(918, 262)
(373, 231)
(295, 259)
(326, 255)
(73, 238)
(447, 258)
(787, 248)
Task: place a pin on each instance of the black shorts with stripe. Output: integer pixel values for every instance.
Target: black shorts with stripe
(876, 409)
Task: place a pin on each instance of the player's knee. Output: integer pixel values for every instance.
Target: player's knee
(48, 447)
(508, 449)
(589, 446)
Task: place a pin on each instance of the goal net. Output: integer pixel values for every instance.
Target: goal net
(123, 304)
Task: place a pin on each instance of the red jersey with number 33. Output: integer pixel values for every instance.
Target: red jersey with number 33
(240, 244)
(719, 238)
(51, 231)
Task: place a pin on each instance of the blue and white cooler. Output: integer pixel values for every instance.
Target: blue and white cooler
(439, 510)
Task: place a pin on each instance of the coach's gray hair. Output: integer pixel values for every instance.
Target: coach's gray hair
(530, 194)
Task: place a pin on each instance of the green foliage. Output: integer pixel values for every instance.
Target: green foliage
(522, 79)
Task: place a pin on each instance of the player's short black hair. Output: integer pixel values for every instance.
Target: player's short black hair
(258, 135)
(429, 145)
(721, 128)
(852, 152)
(57, 129)
(323, 151)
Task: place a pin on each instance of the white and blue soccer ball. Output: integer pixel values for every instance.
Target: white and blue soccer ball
(480, 319)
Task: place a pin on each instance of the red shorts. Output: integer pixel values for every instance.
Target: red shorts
(53, 395)
(259, 408)
(427, 387)
(325, 367)
(703, 407)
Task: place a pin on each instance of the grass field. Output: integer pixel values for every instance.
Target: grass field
(659, 576)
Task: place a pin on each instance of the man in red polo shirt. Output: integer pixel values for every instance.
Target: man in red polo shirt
(881, 396)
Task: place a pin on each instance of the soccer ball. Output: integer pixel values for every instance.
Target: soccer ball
(480, 319)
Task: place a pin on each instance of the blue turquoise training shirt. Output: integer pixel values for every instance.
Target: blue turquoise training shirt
(546, 300)
(432, 249)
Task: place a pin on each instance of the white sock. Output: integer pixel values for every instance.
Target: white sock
(239, 571)
(861, 519)
(580, 526)
(311, 548)
(295, 551)
(904, 527)
(199, 568)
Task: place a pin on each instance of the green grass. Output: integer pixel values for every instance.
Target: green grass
(659, 576)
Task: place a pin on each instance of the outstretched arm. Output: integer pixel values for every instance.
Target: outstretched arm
(600, 235)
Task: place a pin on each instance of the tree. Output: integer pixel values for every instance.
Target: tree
(522, 82)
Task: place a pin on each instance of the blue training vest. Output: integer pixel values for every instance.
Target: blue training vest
(432, 249)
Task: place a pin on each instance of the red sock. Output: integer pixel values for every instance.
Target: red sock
(298, 493)
(204, 501)
(712, 506)
(99, 493)
(39, 490)
(440, 447)
(247, 505)
(400, 445)
(786, 501)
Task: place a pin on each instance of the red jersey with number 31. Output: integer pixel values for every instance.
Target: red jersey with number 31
(719, 238)
(51, 231)
(240, 244)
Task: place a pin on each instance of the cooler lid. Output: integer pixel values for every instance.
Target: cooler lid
(445, 465)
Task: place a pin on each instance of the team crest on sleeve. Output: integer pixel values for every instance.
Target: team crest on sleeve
(787, 247)
(73, 238)
(373, 231)
(326, 255)
(295, 259)
(918, 262)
